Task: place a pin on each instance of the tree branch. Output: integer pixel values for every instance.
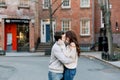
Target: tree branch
(57, 8)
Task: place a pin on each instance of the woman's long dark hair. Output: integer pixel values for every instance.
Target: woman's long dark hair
(73, 38)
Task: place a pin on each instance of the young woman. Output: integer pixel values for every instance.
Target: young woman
(73, 52)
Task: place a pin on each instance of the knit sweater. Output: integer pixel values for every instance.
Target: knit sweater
(72, 53)
(58, 58)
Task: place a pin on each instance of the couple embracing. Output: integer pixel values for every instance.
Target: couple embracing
(64, 57)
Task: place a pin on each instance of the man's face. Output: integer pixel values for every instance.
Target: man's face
(63, 37)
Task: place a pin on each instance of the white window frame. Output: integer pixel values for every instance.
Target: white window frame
(67, 25)
(45, 7)
(87, 26)
(83, 4)
(69, 6)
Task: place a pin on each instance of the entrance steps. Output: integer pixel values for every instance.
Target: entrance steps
(42, 47)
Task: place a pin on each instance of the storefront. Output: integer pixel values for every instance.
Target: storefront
(16, 35)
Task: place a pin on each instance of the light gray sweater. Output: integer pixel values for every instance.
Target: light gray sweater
(58, 58)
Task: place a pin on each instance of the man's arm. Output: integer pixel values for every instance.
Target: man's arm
(59, 54)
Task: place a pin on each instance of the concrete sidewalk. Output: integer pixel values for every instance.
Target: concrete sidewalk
(14, 54)
(98, 56)
(93, 54)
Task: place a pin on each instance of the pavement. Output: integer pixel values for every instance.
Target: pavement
(98, 56)
(89, 54)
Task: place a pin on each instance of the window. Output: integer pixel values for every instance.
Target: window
(66, 3)
(85, 27)
(45, 4)
(24, 4)
(84, 3)
(3, 3)
(66, 25)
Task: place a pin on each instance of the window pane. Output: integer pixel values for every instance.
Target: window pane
(85, 3)
(46, 4)
(65, 25)
(66, 3)
(85, 27)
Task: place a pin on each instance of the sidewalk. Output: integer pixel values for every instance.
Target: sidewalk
(14, 54)
(93, 54)
(98, 56)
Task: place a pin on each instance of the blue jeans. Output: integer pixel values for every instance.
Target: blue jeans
(69, 74)
(54, 76)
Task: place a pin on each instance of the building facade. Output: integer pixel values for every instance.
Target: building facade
(115, 21)
(16, 25)
(76, 15)
(25, 23)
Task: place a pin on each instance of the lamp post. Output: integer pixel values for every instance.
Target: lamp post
(105, 8)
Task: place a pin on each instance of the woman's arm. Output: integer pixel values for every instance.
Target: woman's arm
(71, 50)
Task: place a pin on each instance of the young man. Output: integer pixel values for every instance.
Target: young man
(58, 58)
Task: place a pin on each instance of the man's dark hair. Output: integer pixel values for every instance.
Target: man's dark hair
(58, 35)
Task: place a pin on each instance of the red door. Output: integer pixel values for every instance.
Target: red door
(11, 29)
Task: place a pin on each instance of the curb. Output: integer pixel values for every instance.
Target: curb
(101, 60)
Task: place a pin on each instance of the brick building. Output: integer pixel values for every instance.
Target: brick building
(115, 20)
(16, 27)
(25, 23)
(76, 15)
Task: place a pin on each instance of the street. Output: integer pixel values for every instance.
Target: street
(36, 68)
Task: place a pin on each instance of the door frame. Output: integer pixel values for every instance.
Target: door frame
(45, 22)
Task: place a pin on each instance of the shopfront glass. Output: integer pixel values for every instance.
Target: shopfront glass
(23, 37)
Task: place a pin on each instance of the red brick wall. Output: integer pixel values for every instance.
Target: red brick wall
(97, 17)
(115, 11)
(75, 13)
(115, 14)
(115, 17)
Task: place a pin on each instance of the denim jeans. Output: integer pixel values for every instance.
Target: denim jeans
(54, 76)
(69, 74)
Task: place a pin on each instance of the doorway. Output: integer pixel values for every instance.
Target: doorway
(45, 31)
(9, 41)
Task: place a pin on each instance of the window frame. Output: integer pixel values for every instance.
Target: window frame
(86, 27)
(65, 27)
(44, 7)
(64, 7)
(83, 5)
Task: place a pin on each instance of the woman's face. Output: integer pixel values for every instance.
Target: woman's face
(67, 40)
